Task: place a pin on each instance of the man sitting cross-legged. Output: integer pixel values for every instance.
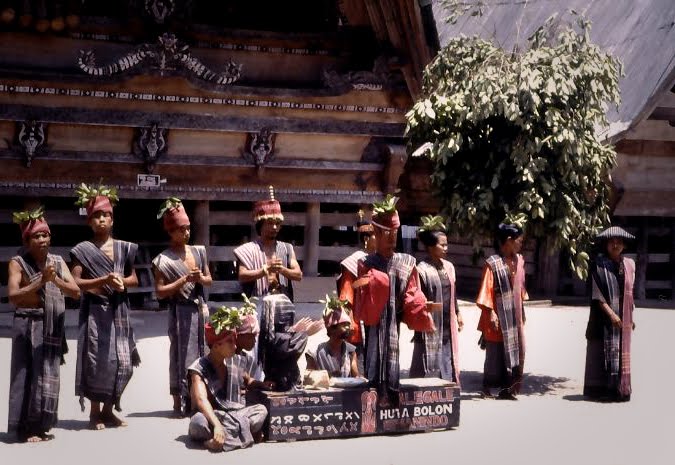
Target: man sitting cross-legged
(217, 421)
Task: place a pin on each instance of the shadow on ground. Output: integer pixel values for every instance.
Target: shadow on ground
(73, 425)
(189, 443)
(155, 414)
(472, 382)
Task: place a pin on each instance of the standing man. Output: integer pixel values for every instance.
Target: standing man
(346, 278)
(181, 273)
(502, 319)
(266, 264)
(37, 283)
(106, 347)
(388, 292)
(610, 324)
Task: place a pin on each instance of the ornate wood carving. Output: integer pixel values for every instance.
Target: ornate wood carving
(29, 141)
(168, 56)
(159, 10)
(259, 148)
(381, 77)
(150, 145)
(203, 122)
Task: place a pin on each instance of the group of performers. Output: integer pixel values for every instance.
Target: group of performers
(219, 360)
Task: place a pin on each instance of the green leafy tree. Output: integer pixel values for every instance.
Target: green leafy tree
(513, 136)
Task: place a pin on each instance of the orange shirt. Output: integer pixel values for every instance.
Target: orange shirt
(346, 292)
(486, 302)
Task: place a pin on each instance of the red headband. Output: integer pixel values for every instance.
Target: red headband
(387, 221)
(267, 210)
(35, 226)
(212, 337)
(175, 218)
(100, 203)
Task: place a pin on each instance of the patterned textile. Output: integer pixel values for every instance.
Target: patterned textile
(233, 415)
(382, 345)
(252, 256)
(237, 366)
(351, 263)
(435, 353)
(606, 288)
(106, 346)
(508, 312)
(325, 361)
(37, 346)
(188, 313)
(278, 347)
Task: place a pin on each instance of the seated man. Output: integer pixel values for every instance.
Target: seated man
(282, 342)
(216, 421)
(242, 370)
(336, 356)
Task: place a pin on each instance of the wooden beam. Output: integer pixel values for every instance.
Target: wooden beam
(672, 258)
(311, 240)
(201, 160)
(663, 113)
(172, 120)
(200, 223)
(664, 148)
(642, 259)
(395, 165)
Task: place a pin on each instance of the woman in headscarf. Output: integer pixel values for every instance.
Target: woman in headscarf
(610, 323)
(435, 354)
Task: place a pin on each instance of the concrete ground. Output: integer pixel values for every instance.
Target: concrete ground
(550, 423)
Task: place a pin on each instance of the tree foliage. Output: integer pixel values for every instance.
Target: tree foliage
(512, 136)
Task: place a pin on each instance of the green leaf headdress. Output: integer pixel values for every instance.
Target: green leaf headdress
(388, 205)
(29, 215)
(432, 223)
(226, 319)
(250, 305)
(333, 303)
(171, 202)
(86, 193)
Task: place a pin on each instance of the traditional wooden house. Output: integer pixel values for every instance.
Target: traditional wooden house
(210, 101)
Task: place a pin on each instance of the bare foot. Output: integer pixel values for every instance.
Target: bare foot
(213, 446)
(111, 420)
(35, 438)
(96, 424)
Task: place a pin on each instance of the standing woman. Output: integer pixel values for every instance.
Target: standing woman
(500, 298)
(435, 354)
(611, 320)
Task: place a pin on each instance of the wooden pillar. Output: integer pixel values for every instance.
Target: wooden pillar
(548, 269)
(312, 224)
(200, 223)
(642, 259)
(672, 259)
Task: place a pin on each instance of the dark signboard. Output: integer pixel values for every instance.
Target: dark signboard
(425, 404)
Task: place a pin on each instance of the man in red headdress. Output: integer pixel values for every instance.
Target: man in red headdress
(267, 265)
(347, 276)
(181, 273)
(106, 347)
(336, 356)
(37, 284)
(387, 292)
(217, 421)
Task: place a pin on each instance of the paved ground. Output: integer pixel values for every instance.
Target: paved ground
(549, 424)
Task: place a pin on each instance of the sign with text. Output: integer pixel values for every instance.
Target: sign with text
(424, 404)
(149, 180)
